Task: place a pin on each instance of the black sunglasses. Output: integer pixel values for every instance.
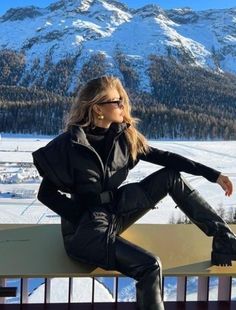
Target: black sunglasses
(118, 103)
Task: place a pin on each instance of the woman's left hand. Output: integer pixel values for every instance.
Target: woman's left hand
(226, 184)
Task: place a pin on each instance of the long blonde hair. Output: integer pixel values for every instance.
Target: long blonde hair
(94, 91)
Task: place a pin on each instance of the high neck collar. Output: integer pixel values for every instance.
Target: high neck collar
(97, 130)
(78, 132)
(115, 127)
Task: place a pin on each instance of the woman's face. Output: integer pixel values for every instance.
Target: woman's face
(111, 108)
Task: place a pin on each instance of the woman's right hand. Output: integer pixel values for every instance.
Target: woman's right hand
(226, 184)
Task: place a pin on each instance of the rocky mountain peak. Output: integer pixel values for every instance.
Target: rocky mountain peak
(83, 6)
(183, 15)
(152, 9)
(21, 13)
(79, 6)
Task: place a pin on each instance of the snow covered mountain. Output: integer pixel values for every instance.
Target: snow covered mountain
(76, 29)
(82, 291)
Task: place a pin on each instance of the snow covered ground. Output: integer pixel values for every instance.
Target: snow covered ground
(19, 182)
(19, 179)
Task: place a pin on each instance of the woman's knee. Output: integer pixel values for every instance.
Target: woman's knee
(158, 184)
(153, 265)
(170, 173)
(156, 263)
(165, 175)
(133, 260)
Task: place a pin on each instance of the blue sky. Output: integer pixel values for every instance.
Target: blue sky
(165, 4)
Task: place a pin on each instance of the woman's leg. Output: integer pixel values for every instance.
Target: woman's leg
(89, 245)
(135, 262)
(133, 201)
(137, 198)
(189, 200)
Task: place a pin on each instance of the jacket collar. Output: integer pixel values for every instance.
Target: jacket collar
(78, 134)
(119, 127)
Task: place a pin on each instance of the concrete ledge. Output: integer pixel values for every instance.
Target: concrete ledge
(37, 250)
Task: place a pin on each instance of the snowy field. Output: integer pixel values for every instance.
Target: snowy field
(19, 182)
(19, 179)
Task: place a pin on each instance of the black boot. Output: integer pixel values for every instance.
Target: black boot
(146, 268)
(224, 249)
(205, 217)
(149, 291)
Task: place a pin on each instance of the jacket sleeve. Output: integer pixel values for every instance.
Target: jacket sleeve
(180, 163)
(49, 195)
(53, 161)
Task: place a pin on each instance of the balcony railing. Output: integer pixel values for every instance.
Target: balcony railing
(37, 251)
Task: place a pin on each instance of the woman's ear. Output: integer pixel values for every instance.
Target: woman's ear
(96, 109)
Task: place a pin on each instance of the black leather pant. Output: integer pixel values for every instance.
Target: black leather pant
(134, 261)
(145, 267)
(130, 259)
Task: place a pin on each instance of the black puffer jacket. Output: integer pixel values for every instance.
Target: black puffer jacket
(74, 167)
(70, 154)
(68, 163)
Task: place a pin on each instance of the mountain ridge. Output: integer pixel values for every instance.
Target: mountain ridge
(77, 30)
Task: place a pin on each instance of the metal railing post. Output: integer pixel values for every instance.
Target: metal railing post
(24, 291)
(203, 288)
(3, 283)
(224, 288)
(181, 288)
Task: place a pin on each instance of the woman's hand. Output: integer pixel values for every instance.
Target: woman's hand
(225, 183)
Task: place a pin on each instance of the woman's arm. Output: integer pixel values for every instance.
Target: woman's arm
(180, 163)
(67, 208)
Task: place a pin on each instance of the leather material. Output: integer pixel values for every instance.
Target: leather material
(134, 261)
(197, 209)
(203, 215)
(225, 244)
(223, 249)
(94, 199)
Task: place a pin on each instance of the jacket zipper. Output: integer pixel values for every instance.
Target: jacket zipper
(105, 167)
(99, 158)
(97, 155)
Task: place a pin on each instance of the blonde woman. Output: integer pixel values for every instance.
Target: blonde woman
(90, 160)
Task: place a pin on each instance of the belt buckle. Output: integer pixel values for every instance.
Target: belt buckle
(106, 196)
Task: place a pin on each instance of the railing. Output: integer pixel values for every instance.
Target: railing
(18, 243)
(224, 290)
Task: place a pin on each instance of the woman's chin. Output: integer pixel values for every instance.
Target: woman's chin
(119, 120)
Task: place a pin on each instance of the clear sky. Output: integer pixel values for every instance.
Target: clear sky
(165, 4)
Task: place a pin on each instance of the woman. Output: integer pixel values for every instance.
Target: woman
(90, 160)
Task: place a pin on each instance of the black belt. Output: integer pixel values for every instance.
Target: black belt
(94, 198)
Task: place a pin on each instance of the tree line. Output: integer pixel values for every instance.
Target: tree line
(185, 102)
(228, 216)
